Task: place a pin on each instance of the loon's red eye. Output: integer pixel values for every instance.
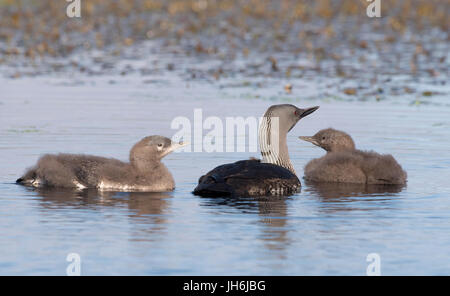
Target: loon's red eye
(296, 113)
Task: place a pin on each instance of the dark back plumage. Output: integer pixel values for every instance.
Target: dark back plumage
(248, 178)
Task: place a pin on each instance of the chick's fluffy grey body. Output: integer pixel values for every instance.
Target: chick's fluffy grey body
(144, 172)
(345, 164)
(355, 167)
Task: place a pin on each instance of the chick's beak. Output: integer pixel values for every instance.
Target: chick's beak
(309, 139)
(174, 146)
(178, 145)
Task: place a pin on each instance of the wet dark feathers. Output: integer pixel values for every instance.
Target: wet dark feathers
(248, 178)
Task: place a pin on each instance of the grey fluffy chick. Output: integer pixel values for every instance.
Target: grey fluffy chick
(345, 164)
(144, 172)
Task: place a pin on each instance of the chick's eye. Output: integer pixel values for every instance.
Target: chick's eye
(160, 145)
(323, 138)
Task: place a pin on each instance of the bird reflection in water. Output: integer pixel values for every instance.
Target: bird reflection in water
(273, 213)
(143, 207)
(345, 196)
(333, 191)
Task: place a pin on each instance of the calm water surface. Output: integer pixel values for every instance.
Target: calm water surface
(320, 231)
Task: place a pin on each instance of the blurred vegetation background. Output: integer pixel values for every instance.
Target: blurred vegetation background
(250, 38)
(41, 27)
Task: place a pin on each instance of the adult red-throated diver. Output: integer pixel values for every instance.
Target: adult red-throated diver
(274, 174)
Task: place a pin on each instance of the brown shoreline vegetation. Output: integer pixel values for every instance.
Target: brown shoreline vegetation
(40, 27)
(322, 30)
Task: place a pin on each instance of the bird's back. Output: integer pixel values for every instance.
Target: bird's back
(382, 168)
(71, 170)
(248, 178)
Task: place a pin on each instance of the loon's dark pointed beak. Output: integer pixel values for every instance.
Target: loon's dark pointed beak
(307, 111)
(300, 113)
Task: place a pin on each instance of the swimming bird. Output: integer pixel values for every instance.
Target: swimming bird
(144, 171)
(274, 174)
(345, 164)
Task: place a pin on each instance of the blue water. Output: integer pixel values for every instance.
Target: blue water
(319, 231)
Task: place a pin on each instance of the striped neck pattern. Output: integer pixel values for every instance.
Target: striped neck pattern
(272, 142)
